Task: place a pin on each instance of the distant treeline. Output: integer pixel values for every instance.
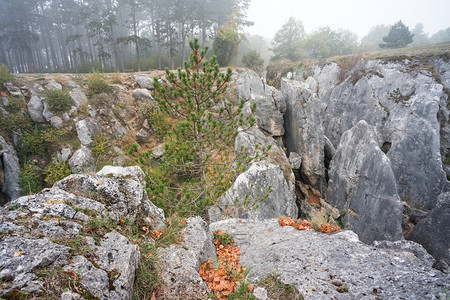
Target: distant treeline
(108, 35)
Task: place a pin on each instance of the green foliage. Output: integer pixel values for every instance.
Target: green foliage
(371, 41)
(253, 60)
(58, 100)
(5, 76)
(287, 42)
(223, 238)
(30, 179)
(201, 141)
(97, 83)
(325, 42)
(14, 105)
(399, 36)
(160, 123)
(242, 292)
(32, 143)
(226, 42)
(100, 145)
(56, 171)
(133, 149)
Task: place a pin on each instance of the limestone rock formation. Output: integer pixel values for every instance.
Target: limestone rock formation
(270, 103)
(179, 264)
(304, 131)
(362, 186)
(78, 97)
(82, 161)
(334, 266)
(38, 231)
(262, 192)
(433, 232)
(9, 172)
(86, 130)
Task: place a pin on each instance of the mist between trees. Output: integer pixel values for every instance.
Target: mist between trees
(138, 35)
(108, 35)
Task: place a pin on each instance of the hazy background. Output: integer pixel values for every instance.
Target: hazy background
(358, 16)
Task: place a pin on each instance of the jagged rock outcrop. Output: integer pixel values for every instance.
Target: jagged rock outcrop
(334, 266)
(179, 264)
(53, 85)
(402, 102)
(38, 232)
(304, 131)
(9, 172)
(262, 192)
(433, 233)
(270, 103)
(143, 95)
(362, 186)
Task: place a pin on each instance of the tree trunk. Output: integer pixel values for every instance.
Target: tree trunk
(136, 42)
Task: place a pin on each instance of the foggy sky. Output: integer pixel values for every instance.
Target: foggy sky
(356, 15)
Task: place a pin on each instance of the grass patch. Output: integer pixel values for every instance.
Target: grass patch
(278, 290)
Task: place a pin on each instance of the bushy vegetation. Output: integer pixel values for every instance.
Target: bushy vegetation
(253, 60)
(97, 83)
(5, 76)
(55, 171)
(58, 100)
(399, 36)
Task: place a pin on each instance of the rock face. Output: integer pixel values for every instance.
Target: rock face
(9, 172)
(179, 264)
(317, 264)
(38, 232)
(362, 186)
(270, 103)
(305, 132)
(261, 192)
(433, 233)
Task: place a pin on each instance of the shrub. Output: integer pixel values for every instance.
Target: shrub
(30, 181)
(56, 171)
(58, 100)
(97, 83)
(116, 78)
(5, 76)
(14, 105)
(253, 60)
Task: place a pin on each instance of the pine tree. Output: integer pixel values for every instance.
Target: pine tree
(199, 149)
(399, 36)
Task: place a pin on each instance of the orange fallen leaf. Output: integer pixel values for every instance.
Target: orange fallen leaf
(156, 233)
(153, 296)
(149, 255)
(122, 221)
(100, 181)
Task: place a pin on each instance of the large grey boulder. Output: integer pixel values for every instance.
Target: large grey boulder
(317, 264)
(433, 232)
(78, 97)
(304, 131)
(362, 186)
(179, 264)
(262, 192)
(86, 130)
(144, 81)
(35, 109)
(82, 161)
